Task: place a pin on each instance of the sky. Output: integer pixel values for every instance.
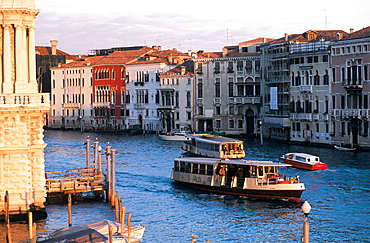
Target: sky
(83, 25)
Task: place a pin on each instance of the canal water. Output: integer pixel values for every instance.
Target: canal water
(339, 196)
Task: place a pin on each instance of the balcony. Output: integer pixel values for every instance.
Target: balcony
(217, 101)
(301, 116)
(166, 107)
(139, 106)
(100, 104)
(71, 105)
(350, 112)
(305, 88)
(244, 100)
(352, 85)
(199, 100)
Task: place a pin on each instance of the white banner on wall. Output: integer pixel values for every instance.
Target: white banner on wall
(273, 98)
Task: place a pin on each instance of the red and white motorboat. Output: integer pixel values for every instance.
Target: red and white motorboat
(303, 161)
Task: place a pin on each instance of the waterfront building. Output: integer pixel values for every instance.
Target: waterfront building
(350, 89)
(295, 86)
(22, 113)
(111, 92)
(143, 87)
(176, 102)
(71, 95)
(309, 87)
(227, 85)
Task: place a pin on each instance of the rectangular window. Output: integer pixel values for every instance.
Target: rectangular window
(217, 88)
(239, 66)
(188, 115)
(231, 87)
(240, 124)
(231, 110)
(231, 124)
(200, 88)
(200, 110)
(217, 110)
(218, 125)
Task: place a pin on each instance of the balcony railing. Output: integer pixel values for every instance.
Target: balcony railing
(71, 105)
(305, 88)
(37, 99)
(101, 104)
(217, 101)
(139, 106)
(244, 100)
(350, 112)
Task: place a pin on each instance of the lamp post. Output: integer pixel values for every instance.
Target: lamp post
(306, 208)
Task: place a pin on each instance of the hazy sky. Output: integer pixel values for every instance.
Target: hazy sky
(83, 25)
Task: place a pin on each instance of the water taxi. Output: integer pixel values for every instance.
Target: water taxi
(214, 146)
(304, 161)
(258, 179)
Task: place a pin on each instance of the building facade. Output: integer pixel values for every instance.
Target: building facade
(227, 89)
(309, 87)
(350, 90)
(176, 102)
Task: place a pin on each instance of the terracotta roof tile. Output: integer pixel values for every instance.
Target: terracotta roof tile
(362, 33)
(88, 61)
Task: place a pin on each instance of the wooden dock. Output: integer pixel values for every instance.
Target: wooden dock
(84, 180)
(75, 181)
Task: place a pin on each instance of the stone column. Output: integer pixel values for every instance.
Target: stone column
(7, 65)
(32, 60)
(18, 60)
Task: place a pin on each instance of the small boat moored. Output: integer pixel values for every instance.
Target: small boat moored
(257, 179)
(303, 161)
(174, 137)
(95, 232)
(340, 148)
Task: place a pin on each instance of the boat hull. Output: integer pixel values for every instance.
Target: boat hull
(293, 195)
(300, 165)
(344, 148)
(173, 137)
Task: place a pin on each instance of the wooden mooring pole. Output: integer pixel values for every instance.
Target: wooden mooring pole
(96, 154)
(87, 152)
(112, 180)
(108, 175)
(7, 218)
(69, 210)
(123, 213)
(30, 226)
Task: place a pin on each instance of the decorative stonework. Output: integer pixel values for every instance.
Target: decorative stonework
(22, 111)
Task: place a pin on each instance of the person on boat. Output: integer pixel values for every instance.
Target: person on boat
(221, 170)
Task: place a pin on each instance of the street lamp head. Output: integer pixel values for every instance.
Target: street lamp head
(306, 208)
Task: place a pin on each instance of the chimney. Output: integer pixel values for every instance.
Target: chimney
(286, 36)
(54, 47)
(224, 52)
(351, 30)
(183, 69)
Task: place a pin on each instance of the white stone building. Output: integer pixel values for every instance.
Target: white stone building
(22, 112)
(176, 98)
(71, 95)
